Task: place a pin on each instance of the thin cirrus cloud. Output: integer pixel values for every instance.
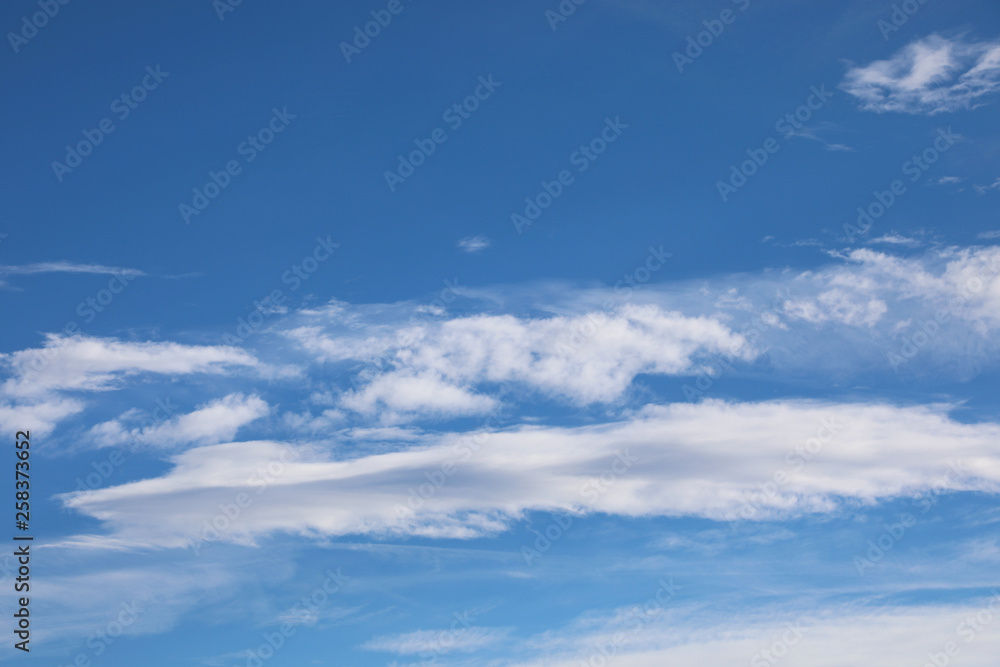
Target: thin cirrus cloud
(983, 189)
(680, 634)
(897, 239)
(929, 76)
(474, 244)
(463, 640)
(707, 459)
(62, 267)
(66, 267)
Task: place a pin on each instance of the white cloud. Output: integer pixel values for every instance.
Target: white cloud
(438, 642)
(577, 346)
(897, 239)
(586, 358)
(68, 267)
(827, 637)
(838, 305)
(300, 615)
(39, 417)
(81, 363)
(846, 316)
(32, 396)
(217, 421)
(929, 76)
(404, 393)
(983, 189)
(473, 244)
(707, 459)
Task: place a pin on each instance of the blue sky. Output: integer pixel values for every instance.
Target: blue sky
(627, 332)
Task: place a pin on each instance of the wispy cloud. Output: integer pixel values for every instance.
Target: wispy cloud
(889, 636)
(983, 189)
(897, 239)
(67, 267)
(461, 640)
(473, 244)
(929, 76)
(816, 132)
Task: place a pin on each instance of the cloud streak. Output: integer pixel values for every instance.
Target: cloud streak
(712, 459)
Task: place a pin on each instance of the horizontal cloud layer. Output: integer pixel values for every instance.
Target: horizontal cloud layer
(714, 459)
(652, 634)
